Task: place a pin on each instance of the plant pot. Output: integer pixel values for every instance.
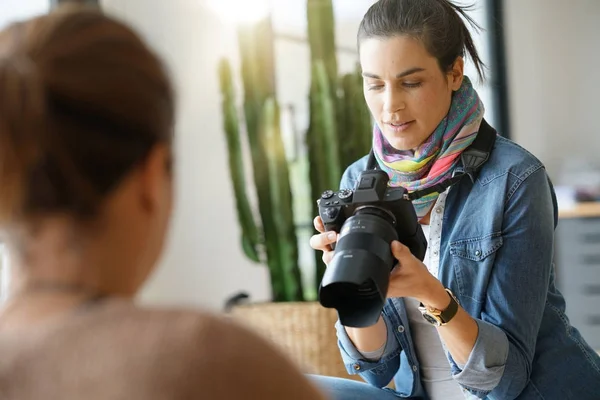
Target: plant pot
(303, 330)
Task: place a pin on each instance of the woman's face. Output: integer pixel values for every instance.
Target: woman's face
(405, 89)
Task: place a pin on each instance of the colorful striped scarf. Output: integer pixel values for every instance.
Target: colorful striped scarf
(435, 159)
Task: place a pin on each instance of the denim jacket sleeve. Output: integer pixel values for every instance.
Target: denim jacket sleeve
(501, 361)
(378, 373)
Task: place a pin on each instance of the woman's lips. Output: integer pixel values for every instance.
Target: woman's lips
(401, 127)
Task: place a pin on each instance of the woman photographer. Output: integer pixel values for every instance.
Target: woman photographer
(86, 136)
(481, 316)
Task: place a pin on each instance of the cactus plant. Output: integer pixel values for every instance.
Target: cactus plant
(249, 236)
(339, 129)
(276, 236)
(321, 37)
(284, 270)
(337, 135)
(322, 143)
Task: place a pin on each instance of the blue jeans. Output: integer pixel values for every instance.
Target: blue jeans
(347, 389)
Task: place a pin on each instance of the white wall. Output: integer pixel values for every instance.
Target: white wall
(203, 264)
(553, 51)
(12, 10)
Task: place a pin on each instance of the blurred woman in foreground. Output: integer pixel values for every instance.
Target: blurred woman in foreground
(86, 132)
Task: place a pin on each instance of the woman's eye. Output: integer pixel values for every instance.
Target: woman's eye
(375, 87)
(411, 85)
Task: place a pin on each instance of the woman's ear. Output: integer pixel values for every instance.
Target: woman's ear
(456, 74)
(155, 176)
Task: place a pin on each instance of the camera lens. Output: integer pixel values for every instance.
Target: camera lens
(356, 281)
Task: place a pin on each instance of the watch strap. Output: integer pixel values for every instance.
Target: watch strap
(441, 317)
(450, 311)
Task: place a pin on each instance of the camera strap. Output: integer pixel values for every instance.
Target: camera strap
(472, 158)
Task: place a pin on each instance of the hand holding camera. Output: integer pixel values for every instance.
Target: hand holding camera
(323, 241)
(400, 278)
(368, 220)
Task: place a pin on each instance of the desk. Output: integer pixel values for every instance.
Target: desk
(582, 210)
(577, 253)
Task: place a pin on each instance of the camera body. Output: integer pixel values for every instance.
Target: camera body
(368, 218)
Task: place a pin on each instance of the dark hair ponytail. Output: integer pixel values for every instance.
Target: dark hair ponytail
(469, 44)
(437, 23)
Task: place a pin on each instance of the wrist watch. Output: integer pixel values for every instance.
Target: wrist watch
(440, 317)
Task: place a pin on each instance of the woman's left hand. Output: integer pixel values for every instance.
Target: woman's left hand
(411, 278)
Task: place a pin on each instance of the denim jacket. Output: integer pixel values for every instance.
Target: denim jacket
(496, 255)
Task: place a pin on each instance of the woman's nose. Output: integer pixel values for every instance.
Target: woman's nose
(393, 101)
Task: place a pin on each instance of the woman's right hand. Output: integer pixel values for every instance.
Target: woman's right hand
(323, 240)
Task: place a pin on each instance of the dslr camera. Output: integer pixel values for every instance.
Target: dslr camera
(367, 218)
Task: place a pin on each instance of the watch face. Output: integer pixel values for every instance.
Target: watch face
(431, 319)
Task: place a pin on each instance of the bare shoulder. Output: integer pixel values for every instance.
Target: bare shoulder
(170, 327)
(208, 352)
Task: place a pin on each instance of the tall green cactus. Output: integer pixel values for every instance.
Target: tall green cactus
(324, 170)
(284, 242)
(322, 143)
(277, 236)
(339, 129)
(338, 134)
(321, 37)
(250, 237)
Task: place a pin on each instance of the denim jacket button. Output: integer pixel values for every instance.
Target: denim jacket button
(414, 368)
(438, 210)
(401, 329)
(477, 253)
(356, 367)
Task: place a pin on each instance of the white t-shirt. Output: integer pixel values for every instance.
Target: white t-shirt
(435, 369)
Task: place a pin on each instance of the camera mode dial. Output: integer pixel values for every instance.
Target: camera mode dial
(344, 194)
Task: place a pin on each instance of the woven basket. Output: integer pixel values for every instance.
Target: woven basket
(304, 330)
